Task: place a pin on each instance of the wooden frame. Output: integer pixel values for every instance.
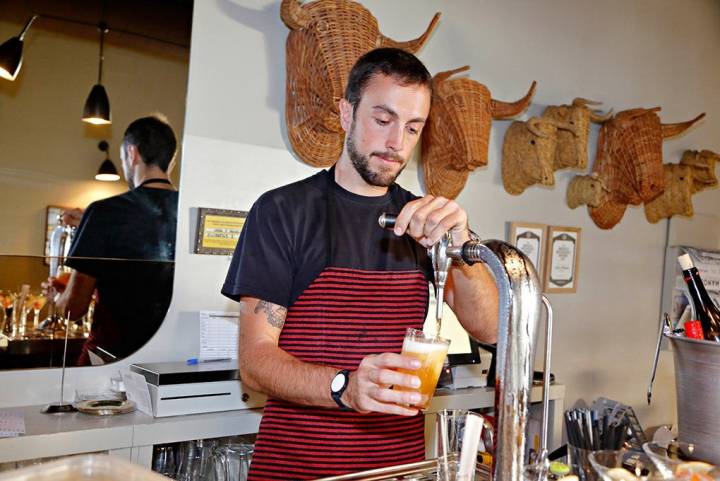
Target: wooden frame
(218, 230)
(562, 259)
(530, 238)
(51, 221)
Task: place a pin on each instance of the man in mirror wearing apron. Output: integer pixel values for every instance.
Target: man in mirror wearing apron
(124, 248)
(326, 295)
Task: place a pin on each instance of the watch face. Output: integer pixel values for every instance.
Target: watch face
(338, 382)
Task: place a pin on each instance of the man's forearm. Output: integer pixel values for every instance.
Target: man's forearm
(473, 297)
(268, 369)
(75, 300)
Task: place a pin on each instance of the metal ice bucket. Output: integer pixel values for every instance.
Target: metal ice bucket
(697, 379)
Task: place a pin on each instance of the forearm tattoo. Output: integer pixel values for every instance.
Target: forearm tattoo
(275, 314)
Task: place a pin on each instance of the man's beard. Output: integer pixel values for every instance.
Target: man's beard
(362, 163)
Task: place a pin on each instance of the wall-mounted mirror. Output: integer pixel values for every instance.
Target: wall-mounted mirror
(49, 159)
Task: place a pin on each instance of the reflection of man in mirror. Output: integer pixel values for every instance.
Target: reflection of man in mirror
(125, 246)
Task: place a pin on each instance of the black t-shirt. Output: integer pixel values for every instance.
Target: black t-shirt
(127, 243)
(285, 242)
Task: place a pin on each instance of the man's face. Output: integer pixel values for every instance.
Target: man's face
(385, 127)
(128, 170)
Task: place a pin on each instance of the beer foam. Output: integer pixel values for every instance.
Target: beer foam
(410, 345)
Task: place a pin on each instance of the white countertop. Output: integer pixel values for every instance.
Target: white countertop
(71, 433)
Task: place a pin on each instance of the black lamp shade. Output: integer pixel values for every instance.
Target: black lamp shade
(97, 107)
(11, 58)
(107, 172)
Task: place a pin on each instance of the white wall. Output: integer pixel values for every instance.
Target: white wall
(624, 53)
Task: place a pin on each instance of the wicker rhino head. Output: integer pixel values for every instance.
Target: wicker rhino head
(629, 161)
(326, 38)
(571, 151)
(456, 135)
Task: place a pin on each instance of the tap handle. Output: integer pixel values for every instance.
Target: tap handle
(387, 221)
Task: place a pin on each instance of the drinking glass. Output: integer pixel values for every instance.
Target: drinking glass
(451, 433)
(679, 464)
(607, 464)
(164, 461)
(431, 352)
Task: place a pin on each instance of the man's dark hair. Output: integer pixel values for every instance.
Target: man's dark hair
(154, 139)
(393, 62)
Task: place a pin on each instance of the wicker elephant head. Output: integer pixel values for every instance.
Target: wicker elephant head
(326, 38)
(571, 151)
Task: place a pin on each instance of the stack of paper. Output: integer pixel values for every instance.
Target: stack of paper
(11, 424)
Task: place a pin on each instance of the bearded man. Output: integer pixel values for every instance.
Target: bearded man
(326, 295)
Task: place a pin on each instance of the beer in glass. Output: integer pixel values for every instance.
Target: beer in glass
(431, 352)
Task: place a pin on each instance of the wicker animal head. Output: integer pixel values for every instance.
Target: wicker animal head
(629, 161)
(456, 135)
(528, 153)
(571, 152)
(586, 189)
(676, 199)
(703, 168)
(326, 38)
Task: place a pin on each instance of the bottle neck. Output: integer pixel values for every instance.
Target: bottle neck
(695, 283)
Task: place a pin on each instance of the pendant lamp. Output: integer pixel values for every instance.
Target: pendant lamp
(107, 171)
(97, 105)
(11, 53)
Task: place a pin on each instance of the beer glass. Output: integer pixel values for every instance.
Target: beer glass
(431, 352)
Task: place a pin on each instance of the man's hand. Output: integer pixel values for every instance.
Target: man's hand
(369, 386)
(427, 219)
(71, 217)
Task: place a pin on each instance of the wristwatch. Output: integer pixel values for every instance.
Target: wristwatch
(337, 387)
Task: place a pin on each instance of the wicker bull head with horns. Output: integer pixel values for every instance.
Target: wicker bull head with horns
(326, 38)
(456, 136)
(629, 161)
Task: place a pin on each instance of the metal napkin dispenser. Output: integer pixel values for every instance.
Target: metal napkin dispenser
(177, 388)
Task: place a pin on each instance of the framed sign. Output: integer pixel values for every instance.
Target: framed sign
(563, 252)
(530, 240)
(218, 230)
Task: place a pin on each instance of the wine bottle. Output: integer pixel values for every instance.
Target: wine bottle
(705, 309)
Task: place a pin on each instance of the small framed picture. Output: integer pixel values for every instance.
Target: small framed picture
(218, 230)
(529, 238)
(563, 254)
(52, 219)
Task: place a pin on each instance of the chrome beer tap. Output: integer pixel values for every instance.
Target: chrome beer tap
(519, 299)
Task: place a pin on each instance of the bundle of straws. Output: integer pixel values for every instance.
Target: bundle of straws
(587, 429)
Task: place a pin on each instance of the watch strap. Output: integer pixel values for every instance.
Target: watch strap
(337, 395)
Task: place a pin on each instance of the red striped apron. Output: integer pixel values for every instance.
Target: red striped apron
(341, 317)
(344, 315)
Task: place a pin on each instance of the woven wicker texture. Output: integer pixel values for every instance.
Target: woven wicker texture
(586, 190)
(527, 156)
(571, 151)
(703, 168)
(456, 134)
(676, 198)
(326, 39)
(629, 161)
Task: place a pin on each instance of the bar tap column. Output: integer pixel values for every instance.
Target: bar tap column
(520, 298)
(519, 314)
